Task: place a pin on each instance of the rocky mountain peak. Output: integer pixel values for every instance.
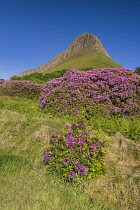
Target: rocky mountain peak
(82, 45)
(89, 41)
(85, 43)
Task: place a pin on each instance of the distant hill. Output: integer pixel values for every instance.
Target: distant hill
(85, 52)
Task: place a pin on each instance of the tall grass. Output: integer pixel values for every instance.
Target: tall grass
(24, 132)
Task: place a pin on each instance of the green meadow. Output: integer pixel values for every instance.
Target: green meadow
(25, 132)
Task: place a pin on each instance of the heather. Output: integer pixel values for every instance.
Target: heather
(112, 91)
(23, 89)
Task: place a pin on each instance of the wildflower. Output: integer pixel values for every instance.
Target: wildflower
(66, 126)
(71, 174)
(80, 168)
(55, 143)
(47, 156)
(57, 132)
(64, 160)
(73, 125)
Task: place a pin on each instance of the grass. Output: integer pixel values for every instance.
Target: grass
(94, 60)
(24, 132)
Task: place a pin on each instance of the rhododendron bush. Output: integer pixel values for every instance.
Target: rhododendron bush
(76, 152)
(2, 81)
(115, 91)
(23, 89)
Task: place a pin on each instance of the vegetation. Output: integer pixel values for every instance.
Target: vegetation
(81, 156)
(24, 89)
(1, 81)
(93, 59)
(42, 78)
(39, 77)
(112, 91)
(26, 132)
(137, 70)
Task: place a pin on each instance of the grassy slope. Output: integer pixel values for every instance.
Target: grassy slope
(24, 133)
(93, 60)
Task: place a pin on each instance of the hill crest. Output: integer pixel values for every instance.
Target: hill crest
(84, 44)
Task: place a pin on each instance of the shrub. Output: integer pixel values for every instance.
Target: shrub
(115, 91)
(137, 70)
(39, 77)
(2, 81)
(15, 77)
(35, 77)
(24, 89)
(56, 74)
(130, 128)
(76, 152)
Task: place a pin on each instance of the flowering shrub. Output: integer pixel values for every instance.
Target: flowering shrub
(2, 81)
(24, 89)
(76, 152)
(115, 91)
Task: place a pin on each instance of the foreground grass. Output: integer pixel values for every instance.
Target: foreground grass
(26, 188)
(24, 132)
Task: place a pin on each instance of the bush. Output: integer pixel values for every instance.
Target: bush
(76, 152)
(23, 89)
(2, 81)
(137, 70)
(128, 127)
(15, 77)
(114, 91)
(39, 77)
(35, 77)
(56, 74)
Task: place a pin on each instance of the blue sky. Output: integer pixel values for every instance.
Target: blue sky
(33, 32)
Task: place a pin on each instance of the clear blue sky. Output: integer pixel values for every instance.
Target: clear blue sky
(33, 32)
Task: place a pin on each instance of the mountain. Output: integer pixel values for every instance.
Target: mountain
(86, 51)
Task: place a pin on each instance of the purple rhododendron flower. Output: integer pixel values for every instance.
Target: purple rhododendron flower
(66, 126)
(82, 133)
(89, 155)
(47, 156)
(94, 149)
(64, 160)
(57, 132)
(73, 125)
(52, 135)
(114, 90)
(69, 130)
(80, 168)
(55, 143)
(57, 108)
(71, 174)
(76, 163)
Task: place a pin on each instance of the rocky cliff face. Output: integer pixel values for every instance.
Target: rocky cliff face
(82, 45)
(85, 43)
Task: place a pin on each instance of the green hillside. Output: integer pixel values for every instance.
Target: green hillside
(24, 185)
(91, 60)
(41, 145)
(86, 51)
